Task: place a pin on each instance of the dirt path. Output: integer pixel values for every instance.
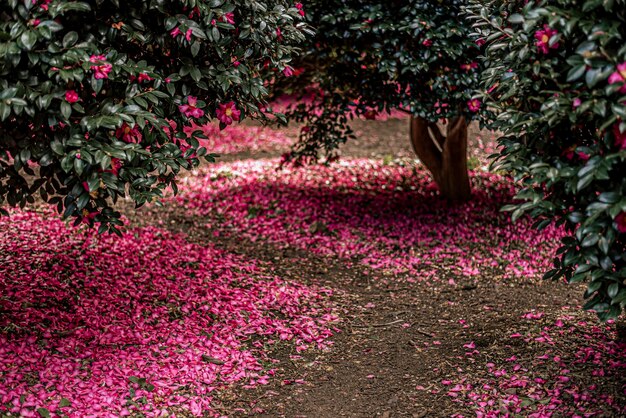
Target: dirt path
(396, 343)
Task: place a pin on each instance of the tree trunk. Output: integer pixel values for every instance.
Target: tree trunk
(444, 156)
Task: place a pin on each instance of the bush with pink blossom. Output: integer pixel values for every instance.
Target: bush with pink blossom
(373, 57)
(556, 79)
(94, 94)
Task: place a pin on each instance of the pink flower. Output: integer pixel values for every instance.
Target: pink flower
(116, 165)
(619, 76)
(35, 22)
(300, 9)
(43, 4)
(576, 102)
(469, 67)
(191, 109)
(279, 34)
(543, 37)
(620, 137)
(188, 35)
(144, 77)
(97, 59)
(89, 216)
(288, 71)
(480, 42)
(474, 105)
(583, 156)
(71, 96)
(229, 18)
(128, 134)
(175, 32)
(370, 114)
(227, 113)
(620, 222)
(102, 70)
(427, 42)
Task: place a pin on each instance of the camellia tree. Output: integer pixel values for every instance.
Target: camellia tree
(375, 56)
(556, 79)
(94, 95)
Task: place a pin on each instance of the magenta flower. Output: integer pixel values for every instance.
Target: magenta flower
(97, 59)
(288, 71)
(300, 9)
(191, 109)
(583, 156)
(620, 137)
(144, 77)
(174, 33)
(71, 96)
(89, 216)
(620, 222)
(116, 165)
(229, 18)
(543, 37)
(469, 67)
(188, 35)
(427, 42)
(128, 134)
(619, 76)
(102, 70)
(474, 105)
(227, 113)
(576, 102)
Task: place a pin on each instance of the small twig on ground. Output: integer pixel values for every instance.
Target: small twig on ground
(428, 334)
(378, 325)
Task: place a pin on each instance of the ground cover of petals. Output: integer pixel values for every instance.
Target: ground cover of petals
(324, 291)
(385, 216)
(386, 219)
(145, 325)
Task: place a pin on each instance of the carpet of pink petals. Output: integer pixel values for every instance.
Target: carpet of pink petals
(388, 218)
(155, 325)
(149, 324)
(384, 216)
(549, 382)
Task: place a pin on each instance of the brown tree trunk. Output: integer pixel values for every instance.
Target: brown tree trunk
(444, 156)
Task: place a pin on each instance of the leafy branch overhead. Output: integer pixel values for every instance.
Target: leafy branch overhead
(556, 79)
(94, 95)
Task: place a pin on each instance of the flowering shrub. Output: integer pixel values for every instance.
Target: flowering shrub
(92, 93)
(556, 79)
(376, 56)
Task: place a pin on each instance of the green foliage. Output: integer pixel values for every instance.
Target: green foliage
(372, 56)
(93, 95)
(555, 78)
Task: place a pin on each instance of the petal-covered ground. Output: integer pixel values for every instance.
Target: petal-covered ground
(559, 366)
(386, 216)
(99, 326)
(388, 219)
(442, 307)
